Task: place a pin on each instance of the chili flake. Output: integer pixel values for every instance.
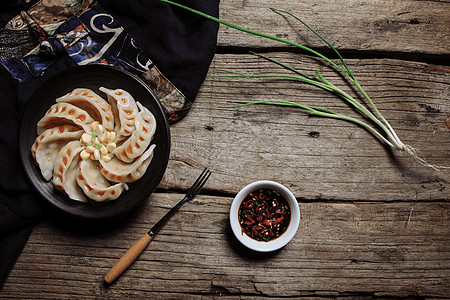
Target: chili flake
(264, 215)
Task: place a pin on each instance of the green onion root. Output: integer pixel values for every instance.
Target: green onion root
(385, 131)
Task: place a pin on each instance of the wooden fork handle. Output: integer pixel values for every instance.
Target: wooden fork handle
(128, 258)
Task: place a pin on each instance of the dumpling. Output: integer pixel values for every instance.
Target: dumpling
(64, 113)
(97, 107)
(47, 145)
(124, 110)
(116, 170)
(66, 170)
(138, 142)
(94, 185)
(93, 148)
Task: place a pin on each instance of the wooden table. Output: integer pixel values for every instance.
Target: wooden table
(374, 222)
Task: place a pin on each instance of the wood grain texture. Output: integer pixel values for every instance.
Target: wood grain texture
(374, 222)
(406, 26)
(127, 258)
(317, 158)
(341, 249)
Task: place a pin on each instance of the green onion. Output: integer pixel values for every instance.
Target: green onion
(380, 128)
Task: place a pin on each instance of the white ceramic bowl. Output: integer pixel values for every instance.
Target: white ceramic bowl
(282, 240)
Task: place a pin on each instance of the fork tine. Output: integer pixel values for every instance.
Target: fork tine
(202, 183)
(198, 184)
(199, 177)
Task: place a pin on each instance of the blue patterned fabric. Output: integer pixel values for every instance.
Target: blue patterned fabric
(93, 37)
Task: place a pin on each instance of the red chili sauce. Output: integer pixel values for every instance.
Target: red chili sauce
(264, 215)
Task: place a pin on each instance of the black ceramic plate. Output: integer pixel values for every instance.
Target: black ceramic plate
(94, 77)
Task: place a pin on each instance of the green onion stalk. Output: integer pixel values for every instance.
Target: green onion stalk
(385, 132)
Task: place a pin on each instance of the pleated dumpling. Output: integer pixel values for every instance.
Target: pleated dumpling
(63, 114)
(94, 185)
(116, 170)
(124, 110)
(97, 107)
(47, 146)
(139, 141)
(93, 147)
(66, 170)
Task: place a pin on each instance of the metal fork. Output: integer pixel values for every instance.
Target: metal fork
(134, 251)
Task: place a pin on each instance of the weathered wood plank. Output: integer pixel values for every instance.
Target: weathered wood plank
(341, 249)
(374, 222)
(385, 232)
(406, 26)
(317, 158)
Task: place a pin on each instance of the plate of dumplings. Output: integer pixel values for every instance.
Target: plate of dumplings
(94, 141)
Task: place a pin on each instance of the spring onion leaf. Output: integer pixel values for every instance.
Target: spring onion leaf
(385, 132)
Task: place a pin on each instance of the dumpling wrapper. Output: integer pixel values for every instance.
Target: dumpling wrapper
(138, 142)
(97, 107)
(94, 185)
(47, 146)
(124, 110)
(64, 114)
(65, 171)
(116, 170)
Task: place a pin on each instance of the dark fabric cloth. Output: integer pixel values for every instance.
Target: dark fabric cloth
(9, 9)
(181, 44)
(20, 205)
